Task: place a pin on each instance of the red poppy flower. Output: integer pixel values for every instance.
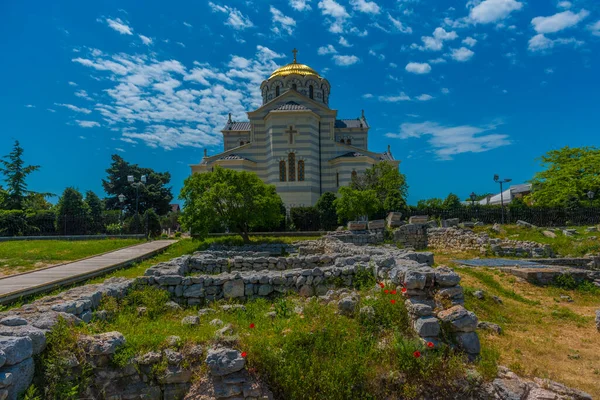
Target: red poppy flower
(386, 291)
(381, 285)
(393, 292)
(430, 345)
(244, 354)
(403, 290)
(417, 354)
(252, 326)
(393, 301)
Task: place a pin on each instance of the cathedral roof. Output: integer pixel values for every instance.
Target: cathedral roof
(233, 157)
(237, 126)
(387, 156)
(350, 154)
(351, 123)
(294, 69)
(292, 106)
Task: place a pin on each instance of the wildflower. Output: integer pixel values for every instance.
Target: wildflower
(252, 326)
(417, 354)
(244, 354)
(393, 292)
(393, 301)
(381, 285)
(386, 291)
(430, 345)
(403, 290)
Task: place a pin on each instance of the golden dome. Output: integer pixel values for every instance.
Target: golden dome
(294, 68)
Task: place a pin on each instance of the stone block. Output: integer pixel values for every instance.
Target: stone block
(15, 349)
(377, 224)
(233, 288)
(414, 279)
(265, 290)
(468, 342)
(357, 226)
(427, 326)
(394, 220)
(22, 374)
(459, 319)
(446, 277)
(224, 361)
(418, 219)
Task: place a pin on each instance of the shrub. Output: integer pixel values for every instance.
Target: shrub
(305, 218)
(113, 229)
(41, 222)
(133, 224)
(152, 298)
(152, 222)
(73, 214)
(12, 223)
(177, 234)
(364, 279)
(327, 214)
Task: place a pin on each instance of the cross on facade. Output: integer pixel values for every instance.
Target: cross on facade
(291, 132)
(295, 52)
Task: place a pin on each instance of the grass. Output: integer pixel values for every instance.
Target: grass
(576, 246)
(543, 334)
(23, 256)
(313, 354)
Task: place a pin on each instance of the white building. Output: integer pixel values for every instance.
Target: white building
(295, 141)
(515, 191)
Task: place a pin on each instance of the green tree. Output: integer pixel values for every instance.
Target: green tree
(15, 173)
(72, 213)
(237, 200)
(432, 203)
(327, 213)
(96, 210)
(153, 194)
(354, 204)
(171, 221)
(152, 222)
(36, 202)
(388, 184)
(567, 173)
(452, 201)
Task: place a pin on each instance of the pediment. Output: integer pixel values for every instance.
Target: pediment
(291, 96)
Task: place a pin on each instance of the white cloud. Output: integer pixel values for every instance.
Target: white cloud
(72, 84)
(180, 44)
(540, 43)
(74, 108)
(87, 124)
(51, 110)
(398, 25)
(558, 22)
(438, 60)
(368, 7)
(119, 26)
(425, 97)
(565, 4)
(188, 24)
(449, 141)
(367, 96)
(418, 68)
(282, 22)
(344, 42)
(83, 94)
(463, 54)
(331, 8)
(469, 41)
(82, 137)
(345, 60)
(393, 65)
(146, 40)
(235, 18)
(300, 5)
(549, 71)
(394, 99)
(163, 103)
(119, 149)
(595, 28)
(127, 140)
(329, 49)
(378, 55)
(29, 106)
(445, 90)
(489, 11)
(435, 42)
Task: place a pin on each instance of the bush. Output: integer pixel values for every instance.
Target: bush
(41, 223)
(113, 229)
(305, 218)
(327, 214)
(152, 222)
(133, 224)
(177, 234)
(73, 214)
(12, 223)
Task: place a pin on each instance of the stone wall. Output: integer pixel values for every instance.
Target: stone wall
(412, 235)
(460, 240)
(358, 237)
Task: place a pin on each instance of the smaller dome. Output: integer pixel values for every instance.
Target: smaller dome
(294, 68)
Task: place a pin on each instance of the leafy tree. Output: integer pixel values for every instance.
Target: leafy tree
(72, 213)
(153, 223)
(305, 218)
(3, 198)
(327, 214)
(134, 224)
(238, 200)
(568, 173)
(452, 201)
(36, 202)
(354, 204)
(432, 203)
(388, 184)
(479, 197)
(171, 221)
(96, 210)
(153, 194)
(15, 172)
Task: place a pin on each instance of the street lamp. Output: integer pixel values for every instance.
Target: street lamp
(131, 180)
(501, 181)
(121, 198)
(590, 196)
(473, 197)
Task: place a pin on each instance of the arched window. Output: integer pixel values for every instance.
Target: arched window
(241, 142)
(337, 179)
(282, 171)
(311, 92)
(292, 166)
(348, 141)
(300, 170)
(294, 86)
(342, 140)
(277, 91)
(354, 174)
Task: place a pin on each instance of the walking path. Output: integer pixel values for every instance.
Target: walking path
(43, 280)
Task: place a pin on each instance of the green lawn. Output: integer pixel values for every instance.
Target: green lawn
(23, 256)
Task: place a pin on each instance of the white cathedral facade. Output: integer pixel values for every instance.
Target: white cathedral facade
(295, 141)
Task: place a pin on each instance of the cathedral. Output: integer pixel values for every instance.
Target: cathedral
(295, 141)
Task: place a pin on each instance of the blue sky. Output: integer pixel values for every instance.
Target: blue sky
(461, 90)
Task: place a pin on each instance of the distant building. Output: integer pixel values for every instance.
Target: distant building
(514, 192)
(175, 207)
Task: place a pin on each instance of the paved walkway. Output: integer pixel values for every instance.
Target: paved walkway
(43, 280)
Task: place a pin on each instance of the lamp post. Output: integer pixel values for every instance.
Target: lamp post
(121, 198)
(590, 196)
(501, 181)
(473, 196)
(142, 181)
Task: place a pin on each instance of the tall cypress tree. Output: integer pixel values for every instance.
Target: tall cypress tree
(15, 172)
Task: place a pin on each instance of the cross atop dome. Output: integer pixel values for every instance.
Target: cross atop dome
(295, 51)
